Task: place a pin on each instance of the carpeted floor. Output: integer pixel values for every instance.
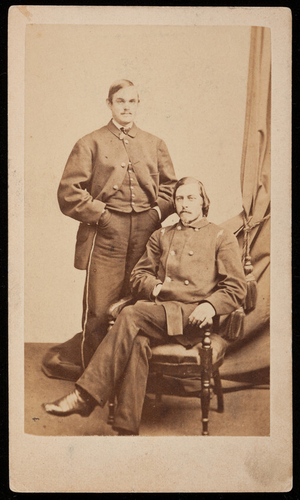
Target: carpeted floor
(247, 406)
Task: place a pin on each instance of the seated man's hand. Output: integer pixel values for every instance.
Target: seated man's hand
(202, 316)
(156, 290)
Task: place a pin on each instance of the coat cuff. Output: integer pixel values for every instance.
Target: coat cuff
(147, 288)
(166, 208)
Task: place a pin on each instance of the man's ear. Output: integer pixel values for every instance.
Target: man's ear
(108, 103)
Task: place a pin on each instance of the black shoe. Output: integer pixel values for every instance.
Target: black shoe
(72, 403)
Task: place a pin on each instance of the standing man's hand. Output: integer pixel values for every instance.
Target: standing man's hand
(203, 315)
(104, 216)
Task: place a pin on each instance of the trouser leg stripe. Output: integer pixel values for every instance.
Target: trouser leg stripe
(87, 301)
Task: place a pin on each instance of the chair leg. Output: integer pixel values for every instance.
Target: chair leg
(206, 369)
(111, 410)
(219, 391)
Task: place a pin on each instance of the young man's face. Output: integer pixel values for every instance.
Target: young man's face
(124, 105)
(188, 203)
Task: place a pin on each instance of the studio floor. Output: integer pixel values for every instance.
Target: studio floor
(246, 399)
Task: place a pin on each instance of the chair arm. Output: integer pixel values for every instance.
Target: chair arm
(234, 326)
(117, 307)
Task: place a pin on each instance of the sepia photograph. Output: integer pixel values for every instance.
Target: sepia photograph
(143, 169)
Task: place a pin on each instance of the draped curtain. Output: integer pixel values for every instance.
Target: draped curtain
(252, 225)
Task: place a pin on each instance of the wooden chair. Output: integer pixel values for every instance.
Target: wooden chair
(201, 362)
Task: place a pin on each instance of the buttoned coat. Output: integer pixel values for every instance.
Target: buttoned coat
(96, 169)
(194, 264)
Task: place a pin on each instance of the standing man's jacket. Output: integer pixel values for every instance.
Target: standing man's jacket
(96, 169)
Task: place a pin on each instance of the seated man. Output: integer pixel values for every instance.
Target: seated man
(189, 273)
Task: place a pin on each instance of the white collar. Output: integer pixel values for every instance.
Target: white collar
(116, 124)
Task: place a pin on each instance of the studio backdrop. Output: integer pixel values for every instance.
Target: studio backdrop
(195, 89)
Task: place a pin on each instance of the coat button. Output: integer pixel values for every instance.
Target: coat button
(172, 252)
(196, 228)
(123, 164)
(168, 279)
(186, 282)
(126, 142)
(178, 228)
(191, 252)
(115, 186)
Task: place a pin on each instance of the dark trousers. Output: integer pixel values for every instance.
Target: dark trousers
(119, 243)
(120, 364)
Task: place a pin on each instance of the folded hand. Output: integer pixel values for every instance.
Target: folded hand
(202, 316)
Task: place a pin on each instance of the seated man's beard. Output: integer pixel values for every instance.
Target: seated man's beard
(187, 217)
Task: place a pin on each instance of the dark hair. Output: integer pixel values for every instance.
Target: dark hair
(118, 85)
(192, 180)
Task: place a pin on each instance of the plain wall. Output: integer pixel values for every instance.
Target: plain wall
(192, 82)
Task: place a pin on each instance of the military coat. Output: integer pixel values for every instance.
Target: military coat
(96, 169)
(194, 263)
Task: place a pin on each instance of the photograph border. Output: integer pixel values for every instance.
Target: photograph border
(67, 464)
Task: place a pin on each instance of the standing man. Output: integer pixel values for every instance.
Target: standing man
(189, 273)
(118, 183)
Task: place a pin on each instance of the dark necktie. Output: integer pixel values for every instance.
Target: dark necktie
(124, 130)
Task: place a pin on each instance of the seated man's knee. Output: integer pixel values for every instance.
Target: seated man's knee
(127, 312)
(132, 312)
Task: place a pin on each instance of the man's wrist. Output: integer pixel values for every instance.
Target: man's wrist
(214, 312)
(156, 290)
